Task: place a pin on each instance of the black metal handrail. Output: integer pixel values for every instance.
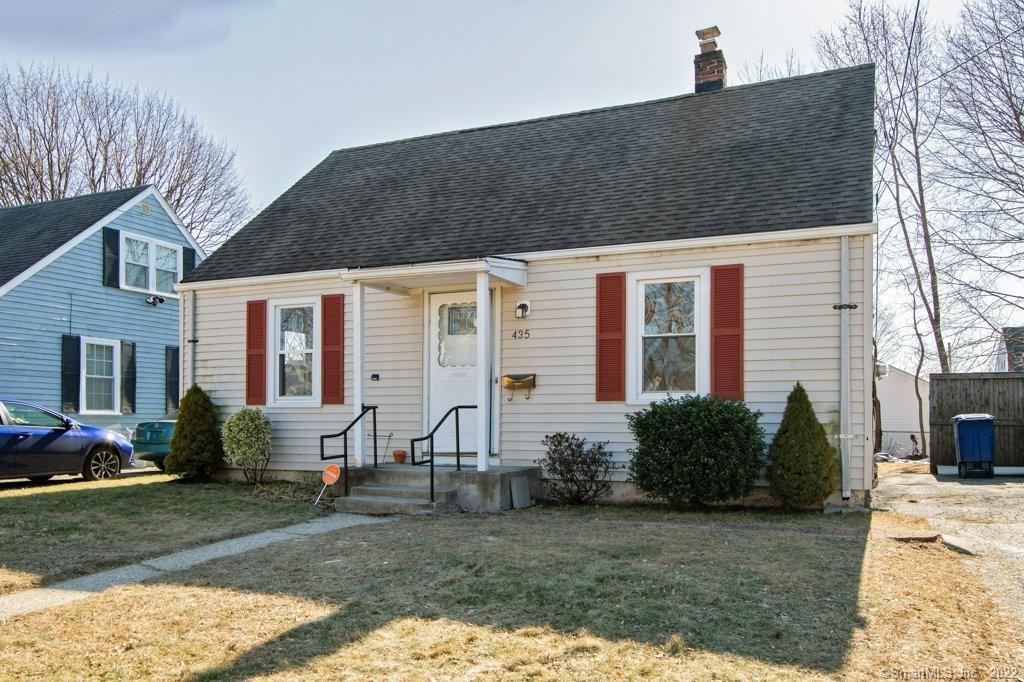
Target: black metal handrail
(343, 434)
(430, 437)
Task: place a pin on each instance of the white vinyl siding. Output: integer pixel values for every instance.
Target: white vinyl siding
(394, 350)
(791, 333)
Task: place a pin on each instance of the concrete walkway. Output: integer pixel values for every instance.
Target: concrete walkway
(86, 586)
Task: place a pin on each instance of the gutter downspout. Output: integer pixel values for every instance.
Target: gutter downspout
(844, 365)
(192, 341)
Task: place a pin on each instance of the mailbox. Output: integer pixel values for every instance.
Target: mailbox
(519, 382)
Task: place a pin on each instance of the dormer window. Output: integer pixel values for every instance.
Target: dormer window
(148, 265)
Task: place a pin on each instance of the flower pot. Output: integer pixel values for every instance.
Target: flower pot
(399, 456)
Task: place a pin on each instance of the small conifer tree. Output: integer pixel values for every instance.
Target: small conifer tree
(802, 468)
(196, 449)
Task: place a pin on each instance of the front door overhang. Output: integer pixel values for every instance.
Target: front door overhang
(480, 275)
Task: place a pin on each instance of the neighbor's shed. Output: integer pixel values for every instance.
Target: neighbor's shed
(900, 415)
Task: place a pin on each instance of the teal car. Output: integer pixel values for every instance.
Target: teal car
(152, 440)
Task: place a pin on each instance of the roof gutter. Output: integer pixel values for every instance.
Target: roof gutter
(261, 279)
(827, 232)
(830, 231)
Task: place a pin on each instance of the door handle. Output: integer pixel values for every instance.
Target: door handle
(21, 436)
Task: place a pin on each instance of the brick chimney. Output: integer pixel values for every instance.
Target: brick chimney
(709, 65)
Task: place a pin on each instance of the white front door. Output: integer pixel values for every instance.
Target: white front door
(451, 345)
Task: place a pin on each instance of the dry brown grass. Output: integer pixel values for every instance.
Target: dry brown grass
(902, 468)
(66, 528)
(543, 594)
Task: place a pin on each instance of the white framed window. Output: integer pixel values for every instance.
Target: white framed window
(667, 334)
(294, 372)
(100, 376)
(149, 265)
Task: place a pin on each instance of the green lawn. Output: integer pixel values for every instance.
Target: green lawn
(540, 594)
(62, 529)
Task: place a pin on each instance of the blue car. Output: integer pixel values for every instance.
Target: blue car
(38, 444)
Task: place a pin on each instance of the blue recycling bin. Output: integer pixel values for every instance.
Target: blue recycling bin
(975, 438)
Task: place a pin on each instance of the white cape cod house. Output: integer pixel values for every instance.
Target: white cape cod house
(555, 274)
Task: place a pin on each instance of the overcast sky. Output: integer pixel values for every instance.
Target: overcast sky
(286, 82)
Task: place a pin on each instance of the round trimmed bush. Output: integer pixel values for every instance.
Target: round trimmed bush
(802, 468)
(696, 450)
(247, 442)
(196, 450)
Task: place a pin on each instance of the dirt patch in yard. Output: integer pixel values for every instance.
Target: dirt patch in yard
(984, 516)
(541, 594)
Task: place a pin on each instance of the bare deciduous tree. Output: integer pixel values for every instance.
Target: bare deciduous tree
(63, 133)
(922, 357)
(983, 158)
(901, 43)
(763, 70)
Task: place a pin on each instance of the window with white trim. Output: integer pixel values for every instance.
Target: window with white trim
(667, 335)
(149, 265)
(100, 376)
(295, 351)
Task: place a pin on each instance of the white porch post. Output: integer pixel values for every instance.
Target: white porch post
(483, 362)
(358, 300)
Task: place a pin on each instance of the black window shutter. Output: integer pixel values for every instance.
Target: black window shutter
(188, 260)
(70, 375)
(111, 257)
(127, 377)
(171, 380)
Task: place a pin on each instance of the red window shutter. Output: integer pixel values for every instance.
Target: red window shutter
(611, 336)
(332, 361)
(256, 353)
(727, 331)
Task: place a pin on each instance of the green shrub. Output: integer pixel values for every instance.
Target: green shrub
(696, 450)
(802, 467)
(575, 473)
(195, 446)
(247, 442)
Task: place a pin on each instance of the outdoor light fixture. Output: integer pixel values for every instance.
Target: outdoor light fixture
(154, 300)
(522, 310)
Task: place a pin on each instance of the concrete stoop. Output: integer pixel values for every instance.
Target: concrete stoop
(405, 489)
(371, 498)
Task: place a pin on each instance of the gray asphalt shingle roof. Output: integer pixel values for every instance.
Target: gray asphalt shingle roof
(784, 154)
(31, 232)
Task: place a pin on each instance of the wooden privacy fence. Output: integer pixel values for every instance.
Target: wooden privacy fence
(997, 393)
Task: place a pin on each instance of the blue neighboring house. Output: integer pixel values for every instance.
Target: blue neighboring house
(90, 320)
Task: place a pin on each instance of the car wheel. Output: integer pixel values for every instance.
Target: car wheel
(40, 479)
(101, 464)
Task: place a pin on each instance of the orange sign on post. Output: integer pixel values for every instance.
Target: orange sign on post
(332, 472)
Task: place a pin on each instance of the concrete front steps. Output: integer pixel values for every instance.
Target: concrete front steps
(405, 489)
(373, 498)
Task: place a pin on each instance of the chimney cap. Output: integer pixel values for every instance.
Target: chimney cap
(709, 33)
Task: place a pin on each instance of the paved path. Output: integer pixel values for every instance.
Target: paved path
(984, 516)
(86, 586)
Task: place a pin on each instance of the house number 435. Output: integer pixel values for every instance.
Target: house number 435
(520, 334)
